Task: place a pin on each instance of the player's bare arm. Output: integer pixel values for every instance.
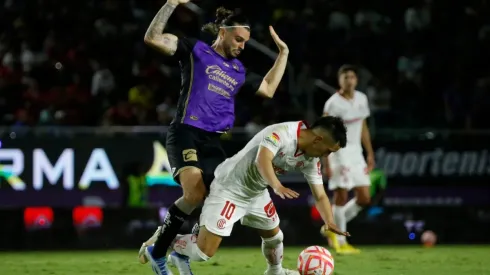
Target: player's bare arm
(264, 165)
(322, 203)
(272, 79)
(366, 142)
(166, 43)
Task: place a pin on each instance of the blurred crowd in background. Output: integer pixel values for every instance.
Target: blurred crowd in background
(421, 63)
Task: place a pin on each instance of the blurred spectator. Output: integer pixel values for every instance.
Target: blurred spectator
(254, 126)
(410, 65)
(306, 85)
(166, 111)
(103, 80)
(418, 17)
(339, 21)
(372, 20)
(481, 104)
(142, 95)
(120, 115)
(84, 63)
(379, 96)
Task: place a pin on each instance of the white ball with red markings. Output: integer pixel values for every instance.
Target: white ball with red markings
(315, 260)
(428, 238)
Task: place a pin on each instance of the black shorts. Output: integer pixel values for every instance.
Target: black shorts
(190, 146)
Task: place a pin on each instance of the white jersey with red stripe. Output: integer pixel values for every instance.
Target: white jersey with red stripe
(353, 112)
(239, 174)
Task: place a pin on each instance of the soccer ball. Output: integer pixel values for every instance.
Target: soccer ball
(428, 238)
(315, 260)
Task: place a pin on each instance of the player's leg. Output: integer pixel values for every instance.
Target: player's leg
(262, 216)
(184, 160)
(213, 155)
(197, 248)
(354, 206)
(340, 198)
(362, 198)
(273, 251)
(217, 219)
(340, 184)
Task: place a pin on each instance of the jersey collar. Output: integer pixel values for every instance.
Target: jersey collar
(302, 123)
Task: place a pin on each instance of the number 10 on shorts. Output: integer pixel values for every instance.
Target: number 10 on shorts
(228, 210)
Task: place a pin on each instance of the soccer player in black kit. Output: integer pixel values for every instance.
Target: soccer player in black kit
(211, 78)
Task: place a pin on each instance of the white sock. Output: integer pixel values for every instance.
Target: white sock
(351, 210)
(186, 245)
(339, 216)
(273, 249)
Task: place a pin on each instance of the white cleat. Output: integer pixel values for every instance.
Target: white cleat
(284, 271)
(181, 262)
(141, 254)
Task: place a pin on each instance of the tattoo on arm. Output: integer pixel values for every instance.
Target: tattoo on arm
(155, 35)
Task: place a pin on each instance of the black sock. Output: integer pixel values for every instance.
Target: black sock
(170, 228)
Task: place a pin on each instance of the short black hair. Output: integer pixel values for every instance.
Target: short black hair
(225, 18)
(335, 126)
(347, 68)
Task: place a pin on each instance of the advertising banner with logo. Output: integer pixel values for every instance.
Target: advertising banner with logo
(70, 171)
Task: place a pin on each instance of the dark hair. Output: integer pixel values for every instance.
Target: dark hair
(225, 17)
(346, 68)
(335, 126)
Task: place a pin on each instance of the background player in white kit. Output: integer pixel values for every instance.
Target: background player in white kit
(239, 191)
(347, 169)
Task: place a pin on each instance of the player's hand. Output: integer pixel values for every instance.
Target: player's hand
(286, 193)
(283, 47)
(177, 2)
(333, 228)
(370, 162)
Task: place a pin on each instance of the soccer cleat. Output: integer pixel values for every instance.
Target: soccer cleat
(181, 262)
(141, 254)
(333, 242)
(159, 266)
(283, 271)
(347, 249)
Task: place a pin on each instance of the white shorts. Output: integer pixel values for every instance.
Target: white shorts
(221, 211)
(349, 177)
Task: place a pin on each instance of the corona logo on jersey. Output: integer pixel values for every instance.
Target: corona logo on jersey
(315, 260)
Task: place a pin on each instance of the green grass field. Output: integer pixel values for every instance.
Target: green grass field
(442, 260)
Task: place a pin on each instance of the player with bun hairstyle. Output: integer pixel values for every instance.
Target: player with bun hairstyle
(211, 78)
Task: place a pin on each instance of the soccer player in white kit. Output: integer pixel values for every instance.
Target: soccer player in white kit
(347, 168)
(239, 190)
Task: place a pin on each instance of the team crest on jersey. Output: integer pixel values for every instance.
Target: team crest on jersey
(274, 139)
(235, 66)
(270, 210)
(300, 164)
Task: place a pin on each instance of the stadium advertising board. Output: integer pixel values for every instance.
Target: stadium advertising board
(68, 171)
